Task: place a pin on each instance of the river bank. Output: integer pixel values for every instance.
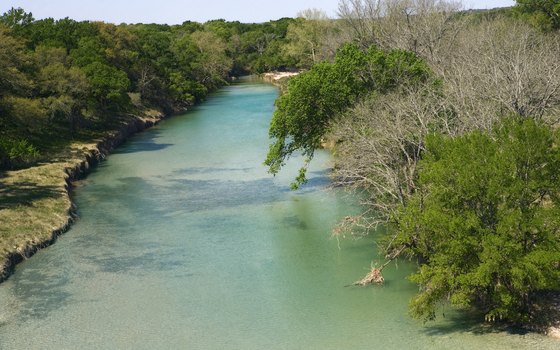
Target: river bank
(278, 78)
(161, 235)
(35, 203)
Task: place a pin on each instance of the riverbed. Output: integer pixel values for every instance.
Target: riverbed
(184, 241)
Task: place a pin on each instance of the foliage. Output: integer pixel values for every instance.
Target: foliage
(64, 75)
(14, 152)
(15, 17)
(545, 14)
(109, 87)
(484, 220)
(303, 114)
(382, 139)
(315, 98)
(12, 63)
(306, 37)
(211, 66)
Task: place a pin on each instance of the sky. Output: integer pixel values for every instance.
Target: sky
(178, 11)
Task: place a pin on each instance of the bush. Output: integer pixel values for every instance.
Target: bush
(484, 221)
(14, 153)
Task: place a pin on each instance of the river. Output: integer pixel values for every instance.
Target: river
(183, 241)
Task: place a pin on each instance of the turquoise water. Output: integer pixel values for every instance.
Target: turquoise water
(184, 241)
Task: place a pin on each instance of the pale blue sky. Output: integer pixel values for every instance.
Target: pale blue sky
(177, 11)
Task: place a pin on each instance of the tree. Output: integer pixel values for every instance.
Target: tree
(499, 67)
(119, 43)
(13, 61)
(420, 26)
(380, 142)
(306, 37)
(27, 114)
(108, 86)
(545, 14)
(89, 50)
(63, 88)
(16, 17)
(303, 115)
(314, 99)
(211, 65)
(484, 221)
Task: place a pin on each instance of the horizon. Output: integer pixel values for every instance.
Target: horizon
(170, 11)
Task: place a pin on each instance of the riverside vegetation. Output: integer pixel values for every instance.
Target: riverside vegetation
(443, 120)
(70, 91)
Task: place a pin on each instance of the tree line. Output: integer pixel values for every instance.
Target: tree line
(63, 79)
(445, 121)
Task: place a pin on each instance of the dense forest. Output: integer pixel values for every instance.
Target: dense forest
(62, 79)
(445, 122)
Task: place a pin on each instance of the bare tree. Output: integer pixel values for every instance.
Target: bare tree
(380, 144)
(421, 26)
(311, 37)
(484, 70)
(362, 17)
(491, 70)
(502, 67)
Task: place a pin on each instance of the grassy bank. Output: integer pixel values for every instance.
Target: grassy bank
(35, 206)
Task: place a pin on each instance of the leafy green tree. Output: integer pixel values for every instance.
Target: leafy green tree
(211, 66)
(303, 115)
(16, 17)
(306, 37)
(185, 92)
(13, 63)
(545, 14)
(90, 49)
(315, 98)
(484, 221)
(64, 89)
(259, 48)
(119, 43)
(220, 28)
(149, 72)
(190, 27)
(108, 86)
(19, 115)
(65, 33)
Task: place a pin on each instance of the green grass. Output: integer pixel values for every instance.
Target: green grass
(34, 201)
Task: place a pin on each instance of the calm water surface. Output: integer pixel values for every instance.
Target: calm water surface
(185, 242)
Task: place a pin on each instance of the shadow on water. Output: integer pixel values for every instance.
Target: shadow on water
(24, 193)
(295, 222)
(320, 178)
(469, 322)
(209, 170)
(40, 291)
(159, 260)
(157, 199)
(147, 143)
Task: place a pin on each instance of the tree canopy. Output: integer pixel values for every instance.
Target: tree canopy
(484, 220)
(317, 97)
(59, 76)
(545, 14)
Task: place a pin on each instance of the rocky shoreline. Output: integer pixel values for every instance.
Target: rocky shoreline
(58, 176)
(278, 78)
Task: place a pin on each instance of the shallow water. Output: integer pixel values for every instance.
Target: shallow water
(185, 242)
